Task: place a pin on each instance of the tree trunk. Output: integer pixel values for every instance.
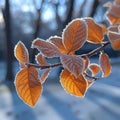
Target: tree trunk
(70, 11)
(9, 51)
(95, 5)
(37, 29)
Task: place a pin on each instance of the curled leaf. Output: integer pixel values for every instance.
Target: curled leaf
(94, 68)
(28, 86)
(46, 48)
(73, 64)
(114, 40)
(105, 64)
(41, 59)
(74, 35)
(21, 53)
(73, 85)
(95, 31)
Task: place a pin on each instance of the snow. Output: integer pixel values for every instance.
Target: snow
(102, 101)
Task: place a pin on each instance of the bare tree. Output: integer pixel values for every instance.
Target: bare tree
(37, 28)
(95, 6)
(9, 51)
(70, 8)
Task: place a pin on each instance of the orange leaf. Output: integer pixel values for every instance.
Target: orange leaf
(73, 63)
(95, 31)
(105, 64)
(113, 14)
(44, 76)
(21, 53)
(41, 59)
(74, 86)
(114, 39)
(46, 48)
(74, 35)
(28, 86)
(94, 68)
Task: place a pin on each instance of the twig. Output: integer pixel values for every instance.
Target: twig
(43, 67)
(60, 64)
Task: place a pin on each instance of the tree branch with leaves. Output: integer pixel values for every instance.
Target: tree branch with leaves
(74, 78)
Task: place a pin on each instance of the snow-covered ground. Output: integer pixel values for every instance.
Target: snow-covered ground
(102, 102)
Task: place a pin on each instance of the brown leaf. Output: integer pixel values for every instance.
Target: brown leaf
(74, 35)
(94, 68)
(28, 86)
(41, 59)
(105, 64)
(73, 64)
(46, 48)
(114, 40)
(74, 86)
(95, 31)
(21, 53)
(44, 76)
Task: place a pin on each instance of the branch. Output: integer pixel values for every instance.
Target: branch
(60, 64)
(43, 67)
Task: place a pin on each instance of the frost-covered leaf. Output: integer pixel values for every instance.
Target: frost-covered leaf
(46, 48)
(73, 64)
(21, 53)
(113, 14)
(73, 85)
(114, 39)
(94, 68)
(28, 86)
(74, 35)
(95, 31)
(105, 64)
